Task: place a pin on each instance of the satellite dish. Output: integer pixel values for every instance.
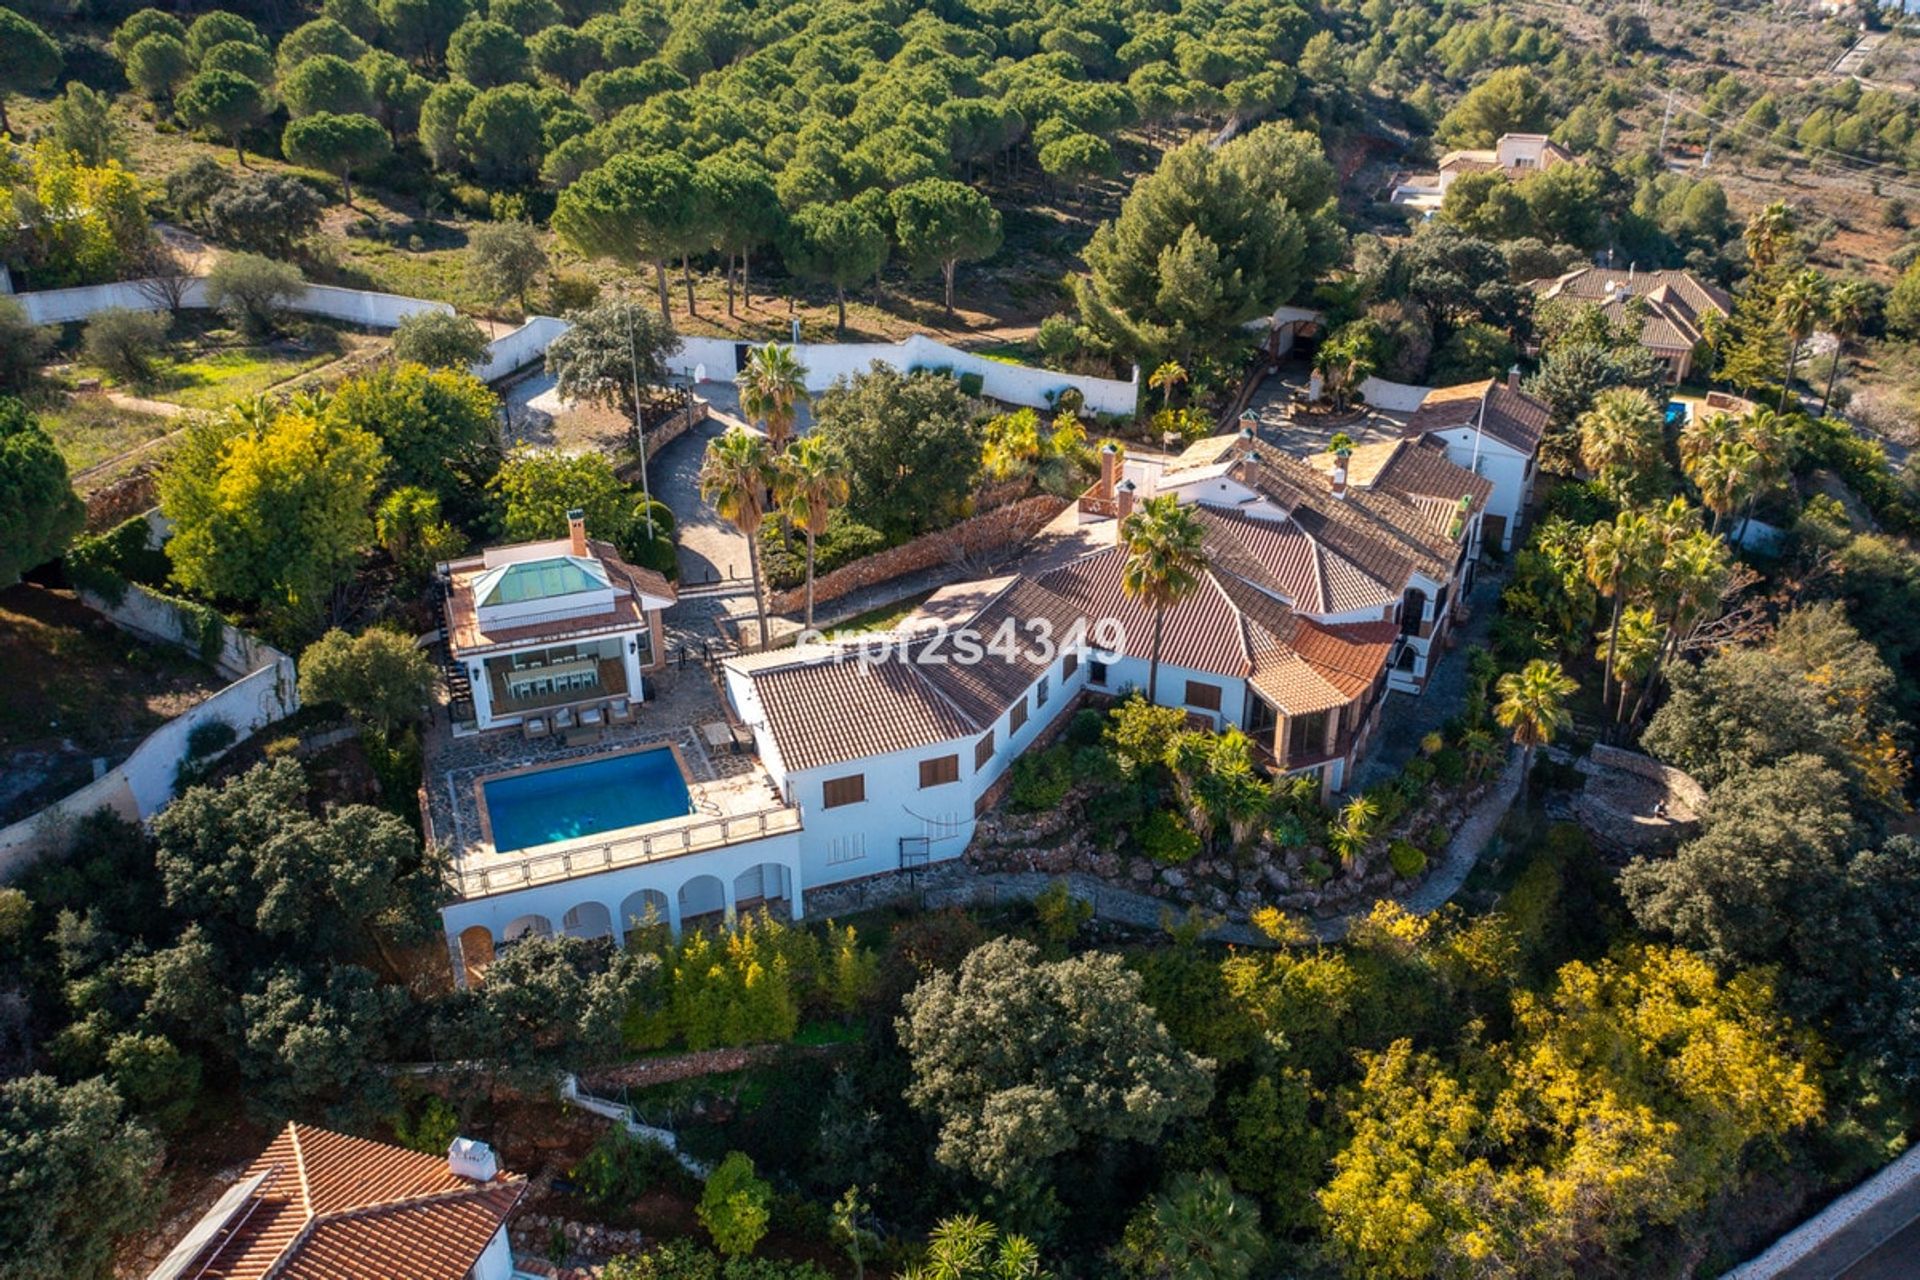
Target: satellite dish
(699, 373)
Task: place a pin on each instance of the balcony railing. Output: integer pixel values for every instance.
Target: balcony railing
(586, 857)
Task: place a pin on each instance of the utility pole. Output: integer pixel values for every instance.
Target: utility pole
(1664, 119)
(639, 423)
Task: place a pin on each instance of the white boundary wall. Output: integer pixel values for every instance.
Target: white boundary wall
(142, 784)
(1394, 397)
(825, 361)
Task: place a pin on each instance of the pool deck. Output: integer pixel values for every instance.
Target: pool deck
(720, 784)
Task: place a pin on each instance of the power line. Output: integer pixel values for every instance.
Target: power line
(1872, 170)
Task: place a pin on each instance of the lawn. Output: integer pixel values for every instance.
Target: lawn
(208, 365)
(90, 429)
(79, 687)
(885, 618)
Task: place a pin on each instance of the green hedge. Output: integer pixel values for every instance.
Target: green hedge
(783, 554)
(104, 563)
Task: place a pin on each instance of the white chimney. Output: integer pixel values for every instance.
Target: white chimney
(1339, 485)
(472, 1159)
(577, 531)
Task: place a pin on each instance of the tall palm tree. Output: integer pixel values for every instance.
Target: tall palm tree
(1766, 432)
(734, 477)
(1164, 562)
(1164, 379)
(1642, 638)
(1533, 708)
(1702, 433)
(1849, 305)
(1620, 438)
(812, 481)
(1802, 301)
(1726, 477)
(1618, 557)
(1692, 573)
(1767, 234)
(772, 387)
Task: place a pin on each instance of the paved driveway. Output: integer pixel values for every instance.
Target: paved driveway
(710, 547)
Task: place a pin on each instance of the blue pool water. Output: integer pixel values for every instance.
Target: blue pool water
(585, 799)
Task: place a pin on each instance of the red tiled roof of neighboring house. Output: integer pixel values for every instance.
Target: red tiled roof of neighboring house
(1512, 417)
(1674, 304)
(334, 1207)
(466, 634)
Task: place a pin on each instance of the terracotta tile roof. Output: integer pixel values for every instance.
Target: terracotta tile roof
(1676, 303)
(1202, 632)
(466, 635)
(1510, 416)
(823, 711)
(1023, 612)
(333, 1207)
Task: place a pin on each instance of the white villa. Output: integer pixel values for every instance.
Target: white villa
(542, 634)
(1492, 429)
(1329, 581)
(1514, 154)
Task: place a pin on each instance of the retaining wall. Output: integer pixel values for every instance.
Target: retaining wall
(991, 531)
(142, 784)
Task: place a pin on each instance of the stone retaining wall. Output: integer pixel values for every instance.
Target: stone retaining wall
(1001, 529)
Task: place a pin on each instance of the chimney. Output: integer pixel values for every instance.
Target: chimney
(1248, 469)
(577, 530)
(472, 1159)
(1109, 468)
(1123, 507)
(1513, 378)
(1339, 486)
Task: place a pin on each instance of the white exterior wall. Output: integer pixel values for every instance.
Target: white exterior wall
(1502, 465)
(1394, 397)
(519, 347)
(496, 1261)
(484, 717)
(1127, 672)
(707, 880)
(713, 359)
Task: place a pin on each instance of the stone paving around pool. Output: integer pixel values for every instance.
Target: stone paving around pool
(721, 782)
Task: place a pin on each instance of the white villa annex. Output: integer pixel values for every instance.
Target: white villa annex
(1330, 580)
(544, 632)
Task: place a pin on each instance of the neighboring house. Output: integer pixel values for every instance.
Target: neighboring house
(1514, 154)
(1492, 429)
(1671, 309)
(319, 1205)
(536, 627)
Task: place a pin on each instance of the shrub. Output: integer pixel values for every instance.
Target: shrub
(1318, 872)
(1085, 728)
(621, 1168)
(439, 340)
(1167, 839)
(1408, 858)
(1040, 781)
(1419, 771)
(1449, 767)
(736, 1205)
(1059, 914)
(252, 291)
(209, 737)
(124, 342)
(379, 676)
(783, 557)
(972, 383)
(105, 562)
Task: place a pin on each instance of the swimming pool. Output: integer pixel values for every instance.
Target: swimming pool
(568, 801)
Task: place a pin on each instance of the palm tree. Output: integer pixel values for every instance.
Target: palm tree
(1207, 1232)
(1618, 556)
(1802, 301)
(1620, 438)
(1702, 433)
(1642, 638)
(772, 387)
(1767, 233)
(1164, 562)
(734, 477)
(1692, 574)
(1725, 477)
(1348, 835)
(1533, 709)
(812, 481)
(1169, 375)
(1849, 304)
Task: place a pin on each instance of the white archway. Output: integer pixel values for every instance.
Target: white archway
(588, 920)
(702, 896)
(762, 886)
(647, 906)
(527, 926)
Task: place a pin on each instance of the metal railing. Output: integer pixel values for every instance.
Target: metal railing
(584, 858)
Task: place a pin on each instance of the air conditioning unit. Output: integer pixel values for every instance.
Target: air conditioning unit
(472, 1159)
